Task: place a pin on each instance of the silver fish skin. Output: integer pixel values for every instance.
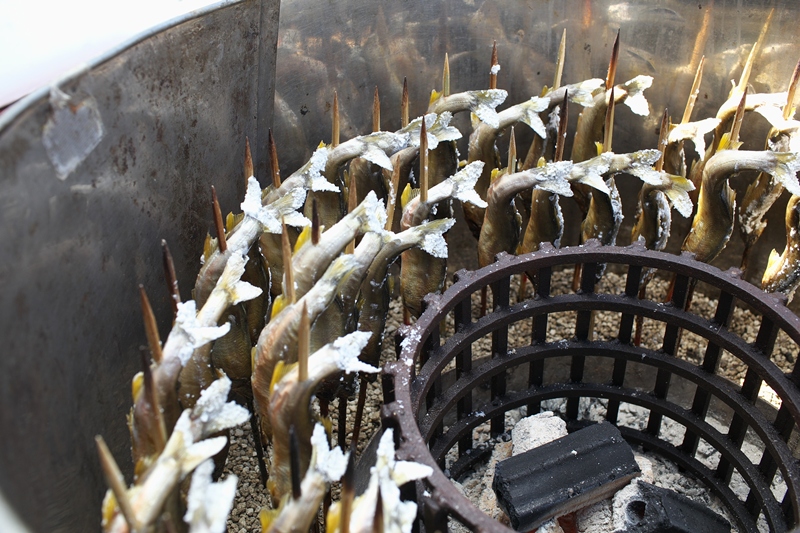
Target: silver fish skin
(290, 405)
(278, 339)
(333, 322)
(783, 270)
(326, 467)
(311, 260)
(713, 223)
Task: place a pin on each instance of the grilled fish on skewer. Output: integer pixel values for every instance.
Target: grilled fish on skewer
(762, 193)
(501, 225)
(545, 223)
(386, 478)
(192, 330)
(326, 466)
(713, 224)
(187, 447)
(783, 271)
(310, 260)
(420, 272)
(278, 339)
(290, 403)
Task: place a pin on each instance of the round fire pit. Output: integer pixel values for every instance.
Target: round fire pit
(439, 390)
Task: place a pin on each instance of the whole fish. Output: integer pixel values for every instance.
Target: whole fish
(372, 305)
(326, 466)
(654, 217)
(713, 223)
(192, 330)
(420, 272)
(501, 226)
(310, 260)
(784, 136)
(137, 508)
(290, 404)
(278, 339)
(783, 271)
(383, 492)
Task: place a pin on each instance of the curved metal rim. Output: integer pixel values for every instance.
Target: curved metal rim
(15, 110)
(400, 408)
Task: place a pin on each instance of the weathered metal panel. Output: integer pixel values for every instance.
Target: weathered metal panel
(94, 172)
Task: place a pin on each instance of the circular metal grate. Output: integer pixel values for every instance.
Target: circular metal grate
(433, 391)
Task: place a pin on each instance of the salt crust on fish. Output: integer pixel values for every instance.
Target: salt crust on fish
(270, 215)
(635, 99)
(387, 476)
(208, 504)
(695, 132)
(191, 331)
(330, 463)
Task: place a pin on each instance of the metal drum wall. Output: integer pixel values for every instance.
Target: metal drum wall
(94, 172)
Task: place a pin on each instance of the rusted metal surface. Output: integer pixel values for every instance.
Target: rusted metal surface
(94, 172)
(436, 410)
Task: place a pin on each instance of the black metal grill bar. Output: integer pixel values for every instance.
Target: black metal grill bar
(774, 445)
(539, 333)
(702, 397)
(500, 299)
(462, 315)
(614, 303)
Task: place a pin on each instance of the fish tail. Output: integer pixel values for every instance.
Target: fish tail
(372, 214)
(432, 236)
(464, 184)
(786, 167)
(678, 193)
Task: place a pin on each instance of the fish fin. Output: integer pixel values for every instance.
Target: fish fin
(485, 104)
(200, 451)
(531, 117)
(408, 195)
(678, 195)
(280, 370)
(464, 181)
(232, 220)
(541, 162)
(786, 171)
(267, 516)
(583, 93)
(333, 518)
(554, 178)
(209, 246)
(635, 99)
(303, 238)
(599, 147)
(136, 386)
(374, 218)
(771, 273)
(433, 242)
(435, 95)
(278, 304)
(494, 175)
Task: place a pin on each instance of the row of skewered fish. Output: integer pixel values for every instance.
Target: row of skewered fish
(293, 292)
